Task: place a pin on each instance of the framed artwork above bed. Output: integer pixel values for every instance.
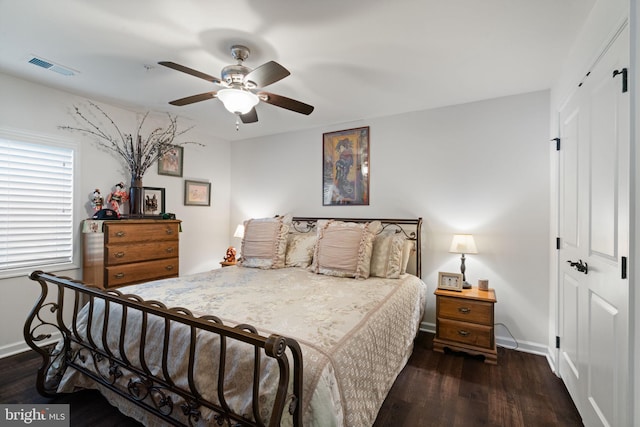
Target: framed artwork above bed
(345, 167)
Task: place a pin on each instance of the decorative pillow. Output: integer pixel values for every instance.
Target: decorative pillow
(300, 247)
(387, 255)
(265, 242)
(344, 248)
(409, 246)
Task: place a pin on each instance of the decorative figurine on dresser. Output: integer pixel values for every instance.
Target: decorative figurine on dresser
(117, 197)
(465, 321)
(96, 200)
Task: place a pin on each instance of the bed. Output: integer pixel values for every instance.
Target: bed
(311, 328)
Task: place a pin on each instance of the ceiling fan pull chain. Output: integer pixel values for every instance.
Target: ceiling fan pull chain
(237, 122)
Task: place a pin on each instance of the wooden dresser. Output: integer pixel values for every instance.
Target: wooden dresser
(464, 322)
(124, 252)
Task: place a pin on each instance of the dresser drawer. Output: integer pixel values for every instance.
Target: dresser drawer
(134, 252)
(465, 333)
(466, 310)
(116, 232)
(119, 275)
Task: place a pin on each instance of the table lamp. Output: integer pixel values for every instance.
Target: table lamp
(463, 244)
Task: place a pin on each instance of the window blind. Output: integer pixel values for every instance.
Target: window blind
(36, 205)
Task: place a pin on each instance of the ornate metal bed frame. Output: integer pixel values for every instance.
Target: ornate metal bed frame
(158, 393)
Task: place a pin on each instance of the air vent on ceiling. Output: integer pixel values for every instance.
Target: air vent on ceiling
(51, 66)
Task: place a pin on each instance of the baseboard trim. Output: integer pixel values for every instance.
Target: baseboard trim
(21, 346)
(504, 341)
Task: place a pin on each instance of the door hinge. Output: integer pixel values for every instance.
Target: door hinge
(557, 140)
(557, 243)
(624, 73)
(557, 342)
(623, 266)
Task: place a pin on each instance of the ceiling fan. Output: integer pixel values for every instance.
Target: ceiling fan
(241, 87)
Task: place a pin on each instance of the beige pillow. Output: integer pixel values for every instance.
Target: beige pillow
(344, 249)
(409, 246)
(300, 248)
(265, 242)
(387, 255)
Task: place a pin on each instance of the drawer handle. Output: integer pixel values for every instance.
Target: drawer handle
(119, 254)
(169, 231)
(464, 310)
(169, 250)
(169, 267)
(463, 333)
(120, 234)
(119, 275)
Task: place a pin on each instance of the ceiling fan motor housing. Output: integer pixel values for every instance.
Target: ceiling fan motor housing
(234, 75)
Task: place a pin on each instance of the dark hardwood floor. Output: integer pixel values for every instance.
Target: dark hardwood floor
(434, 389)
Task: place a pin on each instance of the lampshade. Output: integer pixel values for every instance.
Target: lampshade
(239, 231)
(463, 244)
(238, 101)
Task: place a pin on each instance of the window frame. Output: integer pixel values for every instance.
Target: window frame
(48, 140)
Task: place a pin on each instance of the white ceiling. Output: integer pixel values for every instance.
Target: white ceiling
(351, 59)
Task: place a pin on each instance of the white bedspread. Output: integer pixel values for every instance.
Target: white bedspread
(355, 335)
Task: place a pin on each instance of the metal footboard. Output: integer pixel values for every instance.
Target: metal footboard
(152, 387)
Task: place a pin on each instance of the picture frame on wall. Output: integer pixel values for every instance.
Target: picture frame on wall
(197, 193)
(450, 281)
(171, 162)
(345, 167)
(153, 201)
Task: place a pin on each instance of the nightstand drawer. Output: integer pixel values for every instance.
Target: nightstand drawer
(123, 254)
(142, 271)
(466, 310)
(466, 333)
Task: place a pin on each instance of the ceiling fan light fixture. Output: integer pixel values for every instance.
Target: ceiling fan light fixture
(238, 101)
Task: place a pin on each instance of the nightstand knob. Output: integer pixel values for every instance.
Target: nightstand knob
(463, 333)
(119, 254)
(464, 310)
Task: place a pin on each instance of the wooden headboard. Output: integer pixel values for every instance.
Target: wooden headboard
(410, 227)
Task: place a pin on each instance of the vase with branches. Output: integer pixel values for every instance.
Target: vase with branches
(139, 152)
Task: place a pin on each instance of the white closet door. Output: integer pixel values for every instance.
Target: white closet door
(594, 230)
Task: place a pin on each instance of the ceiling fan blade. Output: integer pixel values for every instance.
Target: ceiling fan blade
(250, 117)
(284, 102)
(191, 71)
(193, 98)
(267, 74)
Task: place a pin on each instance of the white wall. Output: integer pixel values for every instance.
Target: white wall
(481, 168)
(37, 109)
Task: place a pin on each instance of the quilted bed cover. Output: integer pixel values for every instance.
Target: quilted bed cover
(355, 335)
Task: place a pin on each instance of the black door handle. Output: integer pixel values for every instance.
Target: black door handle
(581, 267)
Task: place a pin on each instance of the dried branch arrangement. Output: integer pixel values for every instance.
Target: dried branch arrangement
(137, 151)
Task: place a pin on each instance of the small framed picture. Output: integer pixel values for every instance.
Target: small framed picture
(450, 281)
(197, 193)
(153, 200)
(171, 162)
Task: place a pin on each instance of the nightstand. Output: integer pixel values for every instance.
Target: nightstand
(464, 322)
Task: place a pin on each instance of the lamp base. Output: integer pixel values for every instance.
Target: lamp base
(466, 285)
